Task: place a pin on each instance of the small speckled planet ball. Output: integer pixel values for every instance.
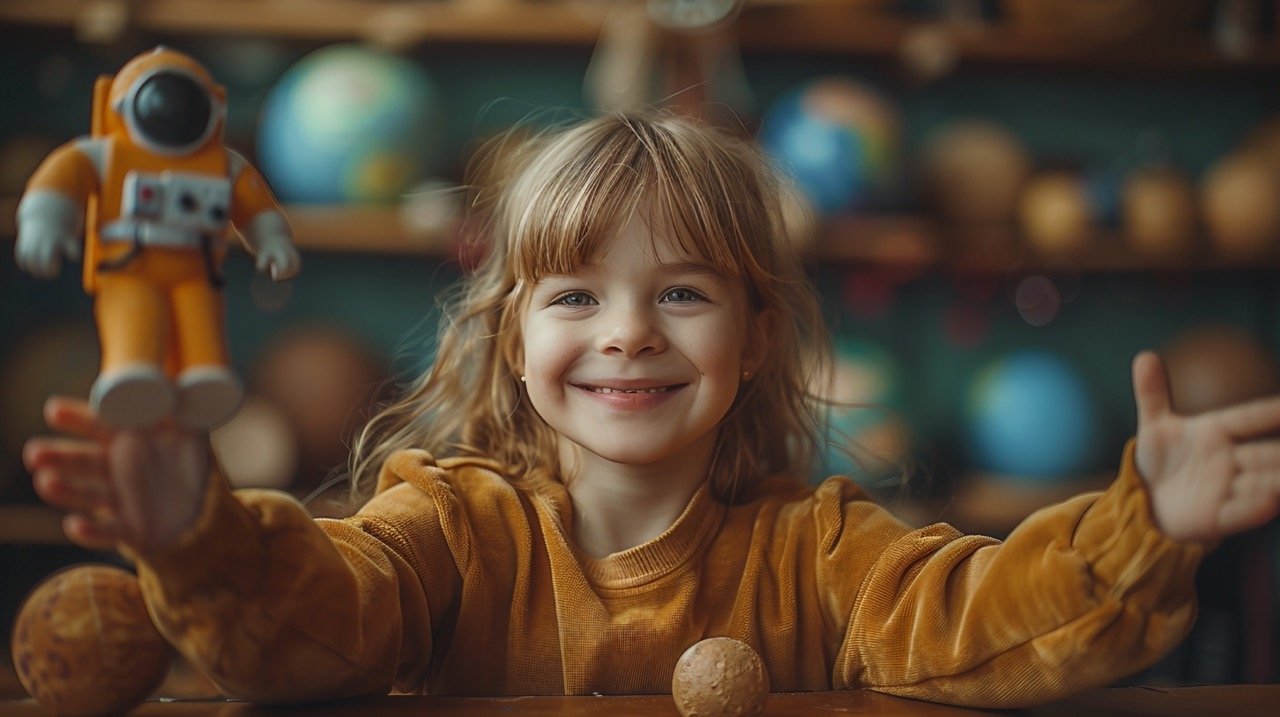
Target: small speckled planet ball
(720, 677)
(84, 646)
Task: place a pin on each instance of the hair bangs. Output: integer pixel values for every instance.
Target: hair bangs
(573, 203)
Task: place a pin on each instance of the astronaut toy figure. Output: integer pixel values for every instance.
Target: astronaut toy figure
(155, 194)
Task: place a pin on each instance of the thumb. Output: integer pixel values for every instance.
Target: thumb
(1150, 387)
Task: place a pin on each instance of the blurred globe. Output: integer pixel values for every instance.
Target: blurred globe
(867, 439)
(838, 139)
(1031, 417)
(347, 124)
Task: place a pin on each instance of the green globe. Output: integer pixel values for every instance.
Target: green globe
(347, 124)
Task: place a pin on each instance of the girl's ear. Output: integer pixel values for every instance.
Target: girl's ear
(760, 331)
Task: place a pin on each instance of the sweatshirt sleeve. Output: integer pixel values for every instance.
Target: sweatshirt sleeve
(277, 607)
(1079, 595)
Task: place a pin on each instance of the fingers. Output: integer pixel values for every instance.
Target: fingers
(1150, 387)
(1258, 456)
(73, 416)
(94, 533)
(67, 454)
(1252, 419)
(1254, 500)
(74, 492)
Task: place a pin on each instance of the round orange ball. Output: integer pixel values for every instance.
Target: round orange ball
(720, 677)
(1056, 214)
(1159, 209)
(83, 644)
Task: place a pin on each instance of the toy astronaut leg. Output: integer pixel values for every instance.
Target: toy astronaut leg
(208, 391)
(158, 311)
(131, 390)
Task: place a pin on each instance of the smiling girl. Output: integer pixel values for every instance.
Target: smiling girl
(605, 465)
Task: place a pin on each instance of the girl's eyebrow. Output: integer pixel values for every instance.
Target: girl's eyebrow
(695, 268)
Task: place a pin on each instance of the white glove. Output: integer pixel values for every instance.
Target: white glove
(48, 229)
(269, 237)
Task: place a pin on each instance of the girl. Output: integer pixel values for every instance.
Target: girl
(620, 408)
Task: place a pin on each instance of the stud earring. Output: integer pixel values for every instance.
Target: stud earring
(746, 375)
(522, 379)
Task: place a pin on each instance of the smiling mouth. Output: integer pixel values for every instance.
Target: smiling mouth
(607, 390)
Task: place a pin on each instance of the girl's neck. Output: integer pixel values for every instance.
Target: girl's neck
(618, 506)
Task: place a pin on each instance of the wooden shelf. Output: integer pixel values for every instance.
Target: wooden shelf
(763, 26)
(31, 525)
(906, 241)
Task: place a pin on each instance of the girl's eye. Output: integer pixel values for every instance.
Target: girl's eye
(682, 296)
(574, 298)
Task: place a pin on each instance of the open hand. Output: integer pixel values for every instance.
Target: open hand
(1211, 475)
(137, 488)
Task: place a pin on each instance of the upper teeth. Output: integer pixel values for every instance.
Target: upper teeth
(601, 389)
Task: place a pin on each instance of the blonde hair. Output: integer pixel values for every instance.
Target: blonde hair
(559, 196)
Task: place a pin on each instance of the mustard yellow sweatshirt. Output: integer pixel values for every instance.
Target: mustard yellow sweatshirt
(452, 580)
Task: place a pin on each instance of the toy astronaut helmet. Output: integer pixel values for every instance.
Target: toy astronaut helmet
(168, 102)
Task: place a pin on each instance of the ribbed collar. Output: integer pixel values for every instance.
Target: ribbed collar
(645, 562)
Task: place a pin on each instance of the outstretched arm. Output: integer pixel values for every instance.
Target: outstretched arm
(272, 605)
(1212, 475)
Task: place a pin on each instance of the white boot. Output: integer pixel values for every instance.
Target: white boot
(208, 396)
(135, 396)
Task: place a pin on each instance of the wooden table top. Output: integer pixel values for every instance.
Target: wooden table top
(1234, 700)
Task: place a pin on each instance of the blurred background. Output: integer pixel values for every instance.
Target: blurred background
(1002, 201)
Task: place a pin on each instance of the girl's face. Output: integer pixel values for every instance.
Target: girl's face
(635, 357)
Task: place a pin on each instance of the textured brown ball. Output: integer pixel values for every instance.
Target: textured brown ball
(720, 677)
(83, 644)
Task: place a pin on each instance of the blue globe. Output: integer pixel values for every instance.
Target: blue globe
(1031, 417)
(837, 139)
(347, 124)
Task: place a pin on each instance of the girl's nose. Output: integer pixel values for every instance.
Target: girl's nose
(630, 332)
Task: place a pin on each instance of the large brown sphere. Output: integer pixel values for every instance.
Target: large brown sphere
(720, 677)
(1240, 200)
(1213, 367)
(83, 644)
(974, 171)
(325, 380)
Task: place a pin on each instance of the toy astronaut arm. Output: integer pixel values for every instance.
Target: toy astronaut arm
(263, 225)
(50, 217)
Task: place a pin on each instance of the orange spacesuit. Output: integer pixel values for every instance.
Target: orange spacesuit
(157, 193)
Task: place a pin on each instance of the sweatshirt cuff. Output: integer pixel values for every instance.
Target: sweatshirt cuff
(1128, 553)
(221, 551)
